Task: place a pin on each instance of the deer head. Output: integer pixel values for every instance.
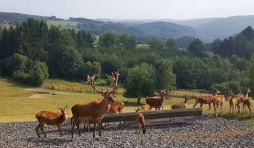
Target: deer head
(106, 94)
(63, 109)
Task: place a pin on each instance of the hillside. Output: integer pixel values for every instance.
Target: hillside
(166, 29)
(223, 27)
(207, 29)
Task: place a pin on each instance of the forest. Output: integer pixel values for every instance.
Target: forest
(31, 52)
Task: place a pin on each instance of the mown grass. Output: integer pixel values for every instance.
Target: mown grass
(17, 104)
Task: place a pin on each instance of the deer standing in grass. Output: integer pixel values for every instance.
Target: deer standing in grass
(50, 118)
(220, 100)
(95, 110)
(207, 100)
(245, 100)
(157, 101)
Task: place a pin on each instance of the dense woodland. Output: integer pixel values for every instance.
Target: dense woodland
(31, 52)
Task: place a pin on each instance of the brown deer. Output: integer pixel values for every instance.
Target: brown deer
(50, 118)
(181, 105)
(234, 102)
(116, 107)
(245, 100)
(144, 108)
(207, 100)
(141, 122)
(95, 110)
(220, 100)
(157, 101)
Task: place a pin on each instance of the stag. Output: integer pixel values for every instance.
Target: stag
(93, 111)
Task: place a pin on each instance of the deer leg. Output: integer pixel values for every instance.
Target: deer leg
(209, 106)
(42, 126)
(99, 124)
(59, 126)
(195, 104)
(73, 125)
(77, 124)
(37, 128)
(94, 126)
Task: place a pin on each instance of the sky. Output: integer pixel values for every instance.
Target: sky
(130, 9)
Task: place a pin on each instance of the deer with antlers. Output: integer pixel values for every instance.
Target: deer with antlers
(95, 110)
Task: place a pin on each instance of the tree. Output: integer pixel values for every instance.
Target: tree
(165, 79)
(140, 82)
(32, 39)
(196, 47)
(251, 72)
(107, 39)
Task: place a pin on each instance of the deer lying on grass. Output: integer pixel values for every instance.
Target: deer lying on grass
(116, 107)
(157, 101)
(95, 110)
(50, 118)
(181, 105)
(141, 122)
(144, 108)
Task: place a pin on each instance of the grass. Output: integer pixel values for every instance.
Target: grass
(21, 103)
(63, 24)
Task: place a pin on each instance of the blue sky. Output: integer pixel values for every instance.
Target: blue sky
(131, 9)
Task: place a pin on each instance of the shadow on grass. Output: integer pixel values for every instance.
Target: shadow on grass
(132, 103)
(239, 117)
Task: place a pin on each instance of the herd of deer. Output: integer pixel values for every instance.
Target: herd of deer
(94, 111)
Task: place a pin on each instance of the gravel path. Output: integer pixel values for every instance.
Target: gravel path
(214, 132)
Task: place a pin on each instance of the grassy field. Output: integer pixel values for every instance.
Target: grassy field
(63, 24)
(21, 103)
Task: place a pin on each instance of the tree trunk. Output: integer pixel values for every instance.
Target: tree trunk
(139, 98)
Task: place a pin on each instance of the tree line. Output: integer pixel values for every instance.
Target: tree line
(32, 52)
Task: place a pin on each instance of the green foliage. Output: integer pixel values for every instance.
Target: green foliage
(26, 71)
(140, 81)
(165, 79)
(196, 47)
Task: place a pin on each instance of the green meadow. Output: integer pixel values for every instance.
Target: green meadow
(21, 103)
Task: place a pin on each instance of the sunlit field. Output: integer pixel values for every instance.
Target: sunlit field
(21, 103)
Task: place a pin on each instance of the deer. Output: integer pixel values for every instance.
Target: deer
(245, 100)
(93, 111)
(116, 107)
(141, 122)
(181, 105)
(157, 101)
(220, 100)
(50, 118)
(207, 100)
(234, 102)
(145, 107)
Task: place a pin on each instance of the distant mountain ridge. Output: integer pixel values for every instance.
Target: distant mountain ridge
(207, 29)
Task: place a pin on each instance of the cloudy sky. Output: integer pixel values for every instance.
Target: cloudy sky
(130, 9)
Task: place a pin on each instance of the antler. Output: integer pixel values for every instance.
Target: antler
(91, 80)
(115, 78)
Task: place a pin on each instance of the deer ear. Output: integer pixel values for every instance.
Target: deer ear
(59, 108)
(66, 107)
